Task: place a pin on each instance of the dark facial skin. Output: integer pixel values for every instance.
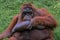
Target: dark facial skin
(27, 13)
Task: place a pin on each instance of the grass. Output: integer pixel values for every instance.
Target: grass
(9, 8)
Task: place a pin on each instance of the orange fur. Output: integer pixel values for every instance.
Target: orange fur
(41, 17)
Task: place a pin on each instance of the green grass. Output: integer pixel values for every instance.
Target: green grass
(9, 8)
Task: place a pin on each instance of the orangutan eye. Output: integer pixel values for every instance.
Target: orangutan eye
(27, 10)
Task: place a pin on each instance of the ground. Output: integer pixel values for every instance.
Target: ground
(9, 8)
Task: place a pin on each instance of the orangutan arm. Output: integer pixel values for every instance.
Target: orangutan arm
(44, 19)
(8, 30)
